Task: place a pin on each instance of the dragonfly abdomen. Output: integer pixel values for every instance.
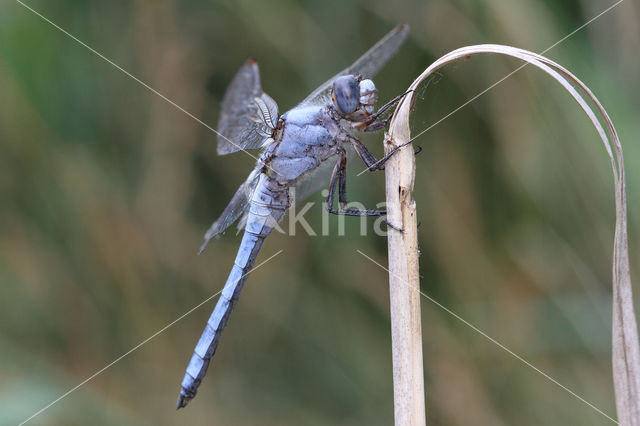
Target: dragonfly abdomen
(260, 223)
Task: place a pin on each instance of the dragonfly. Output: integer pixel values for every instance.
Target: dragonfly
(300, 147)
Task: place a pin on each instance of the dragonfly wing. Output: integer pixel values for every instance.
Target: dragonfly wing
(236, 208)
(242, 123)
(367, 65)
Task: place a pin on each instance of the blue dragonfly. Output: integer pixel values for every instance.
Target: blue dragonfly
(300, 147)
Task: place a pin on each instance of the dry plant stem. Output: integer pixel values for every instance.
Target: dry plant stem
(406, 334)
(625, 347)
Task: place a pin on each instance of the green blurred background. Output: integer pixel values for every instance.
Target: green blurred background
(106, 191)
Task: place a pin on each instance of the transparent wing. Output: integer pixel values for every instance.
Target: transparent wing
(367, 65)
(319, 177)
(236, 208)
(243, 123)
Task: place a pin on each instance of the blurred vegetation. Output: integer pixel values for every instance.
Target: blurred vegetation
(106, 190)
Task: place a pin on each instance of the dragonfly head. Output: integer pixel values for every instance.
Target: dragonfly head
(353, 97)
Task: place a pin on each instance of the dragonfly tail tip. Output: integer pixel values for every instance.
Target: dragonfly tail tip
(202, 247)
(182, 401)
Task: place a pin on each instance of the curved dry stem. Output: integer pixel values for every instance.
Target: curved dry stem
(626, 350)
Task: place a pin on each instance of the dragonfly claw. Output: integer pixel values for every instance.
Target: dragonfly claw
(392, 226)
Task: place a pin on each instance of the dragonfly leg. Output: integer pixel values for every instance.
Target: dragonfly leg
(339, 180)
(369, 159)
(393, 151)
(377, 125)
(365, 155)
(371, 124)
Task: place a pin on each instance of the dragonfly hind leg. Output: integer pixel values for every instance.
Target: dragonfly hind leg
(339, 180)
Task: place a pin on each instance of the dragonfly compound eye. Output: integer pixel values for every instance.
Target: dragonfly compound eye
(346, 94)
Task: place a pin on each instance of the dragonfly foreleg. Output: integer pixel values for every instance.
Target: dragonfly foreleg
(371, 124)
(377, 125)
